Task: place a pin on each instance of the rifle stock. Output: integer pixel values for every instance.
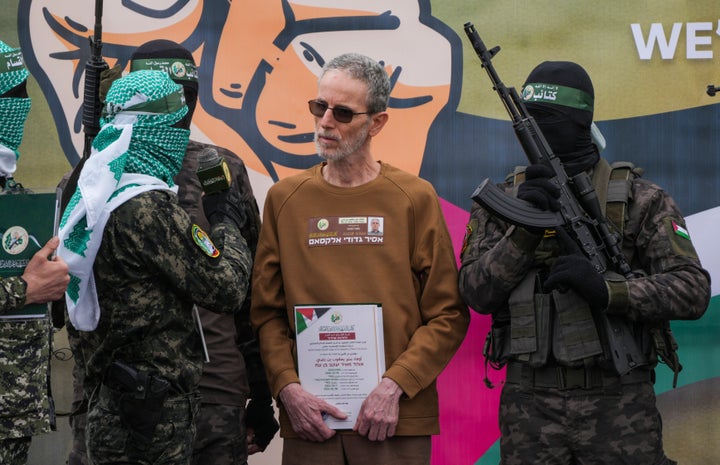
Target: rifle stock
(580, 212)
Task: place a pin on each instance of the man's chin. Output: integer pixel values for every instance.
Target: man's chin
(332, 156)
(325, 154)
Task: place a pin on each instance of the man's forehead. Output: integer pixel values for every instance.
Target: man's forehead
(339, 84)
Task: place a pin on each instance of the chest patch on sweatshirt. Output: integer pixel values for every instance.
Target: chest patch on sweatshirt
(326, 231)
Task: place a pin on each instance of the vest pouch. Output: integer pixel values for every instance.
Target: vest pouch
(575, 334)
(543, 312)
(529, 323)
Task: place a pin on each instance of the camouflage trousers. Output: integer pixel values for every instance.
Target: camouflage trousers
(78, 449)
(14, 451)
(110, 442)
(220, 437)
(616, 425)
(78, 409)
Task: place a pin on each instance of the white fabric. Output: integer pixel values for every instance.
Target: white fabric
(8, 162)
(97, 184)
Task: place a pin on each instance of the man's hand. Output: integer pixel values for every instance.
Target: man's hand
(225, 206)
(577, 273)
(380, 411)
(306, 413)
(573, 270)
(46, 278)
(537, 188)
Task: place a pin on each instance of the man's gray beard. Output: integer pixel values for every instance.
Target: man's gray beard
(345, 148)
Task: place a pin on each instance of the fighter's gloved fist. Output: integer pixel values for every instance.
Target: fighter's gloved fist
(537, 188)
(225, 206)
(577, 273)
(260, 416)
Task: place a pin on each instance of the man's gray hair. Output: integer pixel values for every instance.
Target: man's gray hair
(367, 70)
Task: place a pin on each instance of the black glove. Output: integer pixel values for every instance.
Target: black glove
(537, 188)
(260, 416)
(577, 273)
(225, 206)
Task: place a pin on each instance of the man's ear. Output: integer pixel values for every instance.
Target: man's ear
(378, 121)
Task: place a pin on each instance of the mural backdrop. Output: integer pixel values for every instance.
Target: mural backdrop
(650, 62)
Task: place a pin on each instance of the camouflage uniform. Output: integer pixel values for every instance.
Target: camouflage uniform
(24, 360)
(12, 293)
(24, 345)
(596, 417)
(223, 387)
(149, 272)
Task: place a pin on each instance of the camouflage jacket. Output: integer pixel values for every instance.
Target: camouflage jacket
(24, 359)
(12, 293)
(496, 256)
(151, 267)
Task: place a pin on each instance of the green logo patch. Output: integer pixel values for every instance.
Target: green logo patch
(202, 239)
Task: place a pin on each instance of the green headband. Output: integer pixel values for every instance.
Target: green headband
(12, 68)
(177, 68)
(11, 61)
(167, 104)
(558, 95)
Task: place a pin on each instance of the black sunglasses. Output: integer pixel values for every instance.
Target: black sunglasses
(341, 114)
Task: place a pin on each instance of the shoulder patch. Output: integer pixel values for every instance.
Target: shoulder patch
(202, 239)
(680, 231)
(679, 237)
(470, 230)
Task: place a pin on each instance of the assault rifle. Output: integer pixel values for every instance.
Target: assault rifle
(92, 106)
(580, 213)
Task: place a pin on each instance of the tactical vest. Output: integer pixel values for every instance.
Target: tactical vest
(560, 324)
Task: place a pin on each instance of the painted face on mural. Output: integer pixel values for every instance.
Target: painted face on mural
(258, 71)
(54, 39)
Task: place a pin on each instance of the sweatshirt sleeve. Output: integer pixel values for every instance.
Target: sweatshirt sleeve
(268, 311)
(444, 315)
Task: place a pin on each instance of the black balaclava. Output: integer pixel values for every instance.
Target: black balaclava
(560, 97)
(177, 61)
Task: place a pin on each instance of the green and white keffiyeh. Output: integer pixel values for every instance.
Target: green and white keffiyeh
(136, 150)
(13, 111)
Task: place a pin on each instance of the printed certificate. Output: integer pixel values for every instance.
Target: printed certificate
(27, 222)
(341, 355)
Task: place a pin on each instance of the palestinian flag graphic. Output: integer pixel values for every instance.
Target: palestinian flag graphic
(307, 316)
(680, 231)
